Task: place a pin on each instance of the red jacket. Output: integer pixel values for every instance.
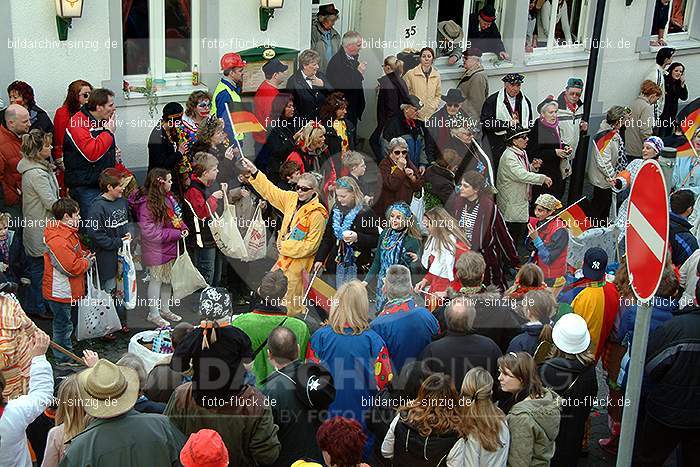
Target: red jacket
(65, 263)
(262, 101)
(60, 123)
(10, 154)
(557, 265)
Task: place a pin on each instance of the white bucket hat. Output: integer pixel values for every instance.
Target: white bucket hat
(570, 334)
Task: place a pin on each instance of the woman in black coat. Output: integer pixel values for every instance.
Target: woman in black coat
(351, 233)
(280, 136)
(675, 90)
(571, 374)
(392, 93)
(545, 143)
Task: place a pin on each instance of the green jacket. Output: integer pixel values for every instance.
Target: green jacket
(258, 324)
(533, 425)
(130, 440)
(244, 422)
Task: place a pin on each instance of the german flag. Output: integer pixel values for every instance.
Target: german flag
(575, 219)
(319, 292)
(603, 138)
(246, 122)
(689, 119)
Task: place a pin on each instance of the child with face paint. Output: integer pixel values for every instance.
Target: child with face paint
(550, 244)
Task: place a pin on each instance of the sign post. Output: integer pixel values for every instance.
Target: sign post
(646, 244)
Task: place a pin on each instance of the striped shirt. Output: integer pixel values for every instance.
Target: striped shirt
(468, 218)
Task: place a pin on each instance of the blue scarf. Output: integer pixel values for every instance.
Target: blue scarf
(390, 251)
(340, 223)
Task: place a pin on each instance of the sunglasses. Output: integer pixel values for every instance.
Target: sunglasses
(86, 95)
(304, 189)
(204, 104)
(404, 152)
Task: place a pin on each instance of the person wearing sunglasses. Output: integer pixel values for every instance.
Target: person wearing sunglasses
(164, 147)
(438, 126)
(514, 181)
(197, 109)
(400, 177)
(407, 126)
(301, 231)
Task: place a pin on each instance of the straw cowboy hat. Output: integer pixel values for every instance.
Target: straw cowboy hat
(450, 30)
(108, 390)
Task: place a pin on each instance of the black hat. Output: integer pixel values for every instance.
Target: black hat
(415, 102)
(314, 386)
(513, 78)
(274, 66)
(327, 10)
(172, 108)
(215, 303)
(515, 132)
(454, 95)
(488, 13)
(472, 52)
(547, 100)
(594, 263)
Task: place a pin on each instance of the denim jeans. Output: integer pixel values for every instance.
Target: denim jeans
(34, 297)
(62, 328)
(84, 196)
(209, 262)
(108, 286)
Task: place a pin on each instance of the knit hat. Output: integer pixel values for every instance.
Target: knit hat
(570, 334)
(172, 108)
(656, 142)
(548, 202)
(574, 83)
(215, 303)
(204, 448)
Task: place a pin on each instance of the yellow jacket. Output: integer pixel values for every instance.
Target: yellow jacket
(427, 90)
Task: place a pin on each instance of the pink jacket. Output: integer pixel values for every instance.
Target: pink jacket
(158, 240)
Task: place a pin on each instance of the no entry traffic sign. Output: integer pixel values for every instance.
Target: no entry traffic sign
(646, 237)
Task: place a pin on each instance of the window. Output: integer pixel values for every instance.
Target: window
(679, 15)
(560, 27)
(160, 37)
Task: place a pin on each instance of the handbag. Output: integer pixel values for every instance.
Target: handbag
(224, 229)
(127, 276)
(185, 278)
(418, 210)
(255, 240)
(97, 315)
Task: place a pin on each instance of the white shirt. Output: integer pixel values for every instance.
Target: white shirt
(22, 411)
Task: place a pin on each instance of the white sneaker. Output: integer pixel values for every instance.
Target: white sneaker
(157, 320)
(167, 314)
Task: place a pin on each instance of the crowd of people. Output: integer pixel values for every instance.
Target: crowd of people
(460, 331)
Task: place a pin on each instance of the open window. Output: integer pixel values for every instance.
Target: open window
(561, 25)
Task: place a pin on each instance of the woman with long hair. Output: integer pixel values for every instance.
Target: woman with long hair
(399, 243)
(78, 94)
(425, 431)
(570, 372)
(71, 420)
(197, 109)
(446, 243)
(312, 154)
(340, 132)
(424, 82)
(532, 411)
(675, 90)
(485, 438)
(160, 219)
(356, 356)
(350, 235)
(40, 190)
(212, 139)
(539, 307)
(302, 227)
(280, 136)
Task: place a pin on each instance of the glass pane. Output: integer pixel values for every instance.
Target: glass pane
(135, 36)
(679, 16)
(450, 10)
(577, 17)
(562, 10)
(178, 35)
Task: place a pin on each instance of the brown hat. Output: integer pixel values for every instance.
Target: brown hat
(108, 390)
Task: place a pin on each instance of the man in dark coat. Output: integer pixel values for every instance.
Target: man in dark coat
(484, 34)
(163, 149)
(683, 242)
(438, 126)
(504, 109)
(346, 73)
(308, 86)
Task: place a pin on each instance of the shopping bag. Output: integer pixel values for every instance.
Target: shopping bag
(185, 278)
(418, 210)
(224, 229)
(127, 275)
(147, 356)
(255, 240)
(97, 315)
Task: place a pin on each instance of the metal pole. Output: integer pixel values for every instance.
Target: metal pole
(578, 171)
(634, 384)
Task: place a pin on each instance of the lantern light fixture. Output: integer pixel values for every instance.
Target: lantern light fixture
(66, 10)
(267, 11)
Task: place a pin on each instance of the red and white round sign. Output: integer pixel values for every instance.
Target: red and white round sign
(646, 237)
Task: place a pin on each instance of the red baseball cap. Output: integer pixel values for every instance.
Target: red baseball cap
(204, 448)
(232, 60)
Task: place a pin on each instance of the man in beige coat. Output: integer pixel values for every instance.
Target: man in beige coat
(474, 84)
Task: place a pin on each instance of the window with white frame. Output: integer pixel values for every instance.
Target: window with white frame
(559, 25)
(459, 12)
(677, 19)
(160, 38)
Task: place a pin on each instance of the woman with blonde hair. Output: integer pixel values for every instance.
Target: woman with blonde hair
(71, 420)
(356, 356)
(485, 438)
(40, 189)
(303, 223)
(425, 431)
(350, 235)
(446, 243)
(392, 93)
(310, 147)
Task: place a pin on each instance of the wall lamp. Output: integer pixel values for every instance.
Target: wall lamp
(267, 11)
(413, 6)
(66, 10)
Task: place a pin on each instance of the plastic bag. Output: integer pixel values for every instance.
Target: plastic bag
(224, 229)
(97, 315)
(127, 277)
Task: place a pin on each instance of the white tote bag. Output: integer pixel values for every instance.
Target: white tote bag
(97, 315)
(418, 210)
(128, 275)
(184, 277)
(224, 229)
(255, 240)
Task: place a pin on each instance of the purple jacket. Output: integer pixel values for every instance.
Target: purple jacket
(158, 240)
